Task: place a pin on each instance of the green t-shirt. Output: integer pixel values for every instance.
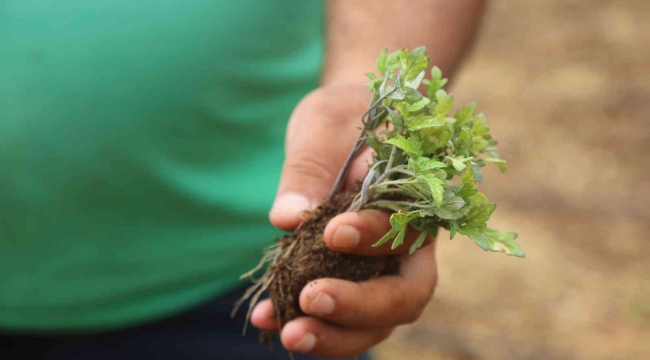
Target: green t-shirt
(140, 149)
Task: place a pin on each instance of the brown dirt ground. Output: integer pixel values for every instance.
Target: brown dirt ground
(566, 87)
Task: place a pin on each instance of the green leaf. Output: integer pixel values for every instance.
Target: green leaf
(479, 144)
(476, 235)
(458, 162)
(435, 186)
(423, 164)
(418, 62)
(399, 239)
(419, 105)
(409, 145)
(500, 163)
(503, 242)
(453, 230)
(423, 122)
(453, 203)
(465, 141)
(412, 95)
(395, 117)
(371, 76)
(465, 114)
(418, 242)
(436, 83)
(399, 222)
(478, 199)
(480, 128)
(381, 61)
(392, 62)
(479, 214)
(468, 184)
(397, 95)
(404, 57)
(389, 235)
(403, 108)
(444, 104)
(478, 175)
(415, 82)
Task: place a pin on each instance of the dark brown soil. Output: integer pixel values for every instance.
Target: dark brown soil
(304, 257)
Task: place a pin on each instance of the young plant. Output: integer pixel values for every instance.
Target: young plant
(425, 170)
(420, 153)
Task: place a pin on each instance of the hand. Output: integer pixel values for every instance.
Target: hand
(346, 318)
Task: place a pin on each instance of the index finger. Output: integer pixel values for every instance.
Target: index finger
(357, 232)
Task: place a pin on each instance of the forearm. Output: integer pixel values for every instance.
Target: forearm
(358, 30)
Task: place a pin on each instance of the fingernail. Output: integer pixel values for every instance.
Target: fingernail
(346, 237)
(290, 204)
(305, 344)
(323, 304)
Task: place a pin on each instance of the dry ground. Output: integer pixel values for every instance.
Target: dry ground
(566, 87)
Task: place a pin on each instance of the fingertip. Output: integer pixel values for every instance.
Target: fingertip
(287, 211)
(356, 232)
(263, 316)
(316, 298)
(295, 337)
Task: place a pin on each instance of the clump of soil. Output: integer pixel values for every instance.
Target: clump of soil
(298, 259)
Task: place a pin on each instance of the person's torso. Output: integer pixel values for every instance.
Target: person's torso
(140, 148)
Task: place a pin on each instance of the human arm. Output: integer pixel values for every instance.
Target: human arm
(348, 318)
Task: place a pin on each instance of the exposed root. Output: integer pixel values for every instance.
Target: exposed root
(296, 260)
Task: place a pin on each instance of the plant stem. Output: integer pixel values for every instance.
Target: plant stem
(367, 125)
(398, 169)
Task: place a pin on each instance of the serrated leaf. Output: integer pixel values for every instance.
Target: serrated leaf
(480, 128)
(423, 122)
(468, 184)
(404, 57)
(479, 144)
(503, 242)
(410, 145)
(479, 214)
(476, 235)
(418, 105)
(458, 162)
(418, 62)
(478, 199)
(381, 61)
(444, 104)
(399, 222)
(436, 83)
(423, 164)
(465, 114)
(465, 141)
(435, 186)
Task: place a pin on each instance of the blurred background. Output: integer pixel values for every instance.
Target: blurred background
(566, 89)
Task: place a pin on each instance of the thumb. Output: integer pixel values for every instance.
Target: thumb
(322, 131)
